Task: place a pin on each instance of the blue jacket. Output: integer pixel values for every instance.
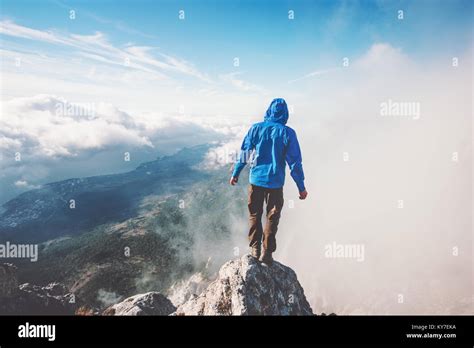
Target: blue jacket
(274, 143)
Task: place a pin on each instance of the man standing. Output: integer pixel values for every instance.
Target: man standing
(272, 144)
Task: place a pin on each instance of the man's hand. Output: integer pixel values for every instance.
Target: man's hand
(303, 194)
(233, 180)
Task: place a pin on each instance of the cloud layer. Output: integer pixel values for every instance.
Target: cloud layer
(396, 183)
(46, 138)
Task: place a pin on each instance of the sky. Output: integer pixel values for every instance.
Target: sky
(196, 55)
(133, 76)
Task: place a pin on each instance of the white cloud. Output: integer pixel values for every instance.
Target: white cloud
(50, 126)
(23, 184)
(225, 153)
(58, 139)
(389, 158)
(383, 55)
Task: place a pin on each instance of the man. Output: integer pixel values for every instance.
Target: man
(271, 143)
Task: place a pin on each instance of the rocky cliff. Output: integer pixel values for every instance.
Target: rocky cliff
(28, 299)
(151, 303)
(243, 286)
(248, 287)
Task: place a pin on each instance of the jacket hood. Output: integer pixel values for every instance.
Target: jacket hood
(277, 111)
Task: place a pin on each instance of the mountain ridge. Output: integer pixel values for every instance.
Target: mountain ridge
(45, 213)
(171, 235)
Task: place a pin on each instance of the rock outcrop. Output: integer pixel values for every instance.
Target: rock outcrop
(151, 303)
(248, 287)
(52, 299)
(28, 299)
(243, 287)
(185, 290)
(8, 280)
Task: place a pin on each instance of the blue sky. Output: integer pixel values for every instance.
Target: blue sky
(271, 48)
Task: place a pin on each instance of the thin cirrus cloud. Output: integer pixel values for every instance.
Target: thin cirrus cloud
(133, 77)
(313, 74)
(97, 47)
(240, 84)
(379, 54)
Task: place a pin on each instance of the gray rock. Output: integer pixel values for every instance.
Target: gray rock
(151, 303)
(248, 287)
(8, 280)
(52, 299)
(183, 291)
(28, 299)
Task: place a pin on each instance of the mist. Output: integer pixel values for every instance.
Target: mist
(399, 186)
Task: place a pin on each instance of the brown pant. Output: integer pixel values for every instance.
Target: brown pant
(274, 200)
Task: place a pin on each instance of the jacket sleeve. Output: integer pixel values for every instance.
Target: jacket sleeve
(293, 158)
(245, 151)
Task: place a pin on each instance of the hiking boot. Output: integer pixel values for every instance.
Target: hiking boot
(255, 252)
(267, 258)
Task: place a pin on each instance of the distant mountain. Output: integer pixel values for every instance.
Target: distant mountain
(43, 214)
(130, 233)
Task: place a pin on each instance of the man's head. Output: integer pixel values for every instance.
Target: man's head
(277, 111)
